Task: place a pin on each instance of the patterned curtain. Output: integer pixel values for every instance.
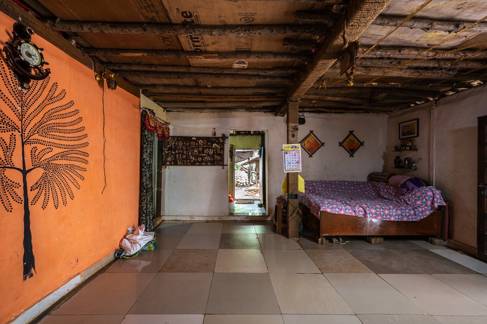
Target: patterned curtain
(147, 211)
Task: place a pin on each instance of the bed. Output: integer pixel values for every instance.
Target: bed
(372, 209)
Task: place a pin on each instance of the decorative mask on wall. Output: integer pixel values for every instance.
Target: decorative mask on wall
(42, 149)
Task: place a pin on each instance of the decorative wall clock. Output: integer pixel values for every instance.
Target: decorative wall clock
(23, 57)
(311, 143)
(351, 143)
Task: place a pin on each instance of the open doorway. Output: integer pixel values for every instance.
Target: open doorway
(247, 185)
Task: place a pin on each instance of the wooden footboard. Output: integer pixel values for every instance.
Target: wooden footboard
(435, 225)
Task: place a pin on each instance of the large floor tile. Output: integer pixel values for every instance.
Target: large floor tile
(168, 242)
(393, 244)
(308, 244)
(243, 319)
(321, 319)
(465, 260)
(461, 319)
(145, 262)
(82, 319)
(277, 242)
(434, 296)
(473, 286)
(239, 241)
(263, 228)
(206, 228)
(236, 228)
(427, 245)
(336, 261)
(173, 229)
(366, 293)
(190, 261)
(397, 319)
(406, 261)
(199, 241)
(120, 289)
(174, 293)
(235, 293)
(163, 319)
(248, 261)
(307, 294)
(292, 261)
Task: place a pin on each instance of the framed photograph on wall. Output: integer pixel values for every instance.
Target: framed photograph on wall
(409, 129)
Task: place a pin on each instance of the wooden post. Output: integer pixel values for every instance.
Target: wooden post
(293, 214)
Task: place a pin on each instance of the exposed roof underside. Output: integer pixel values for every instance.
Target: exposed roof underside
(188, 55)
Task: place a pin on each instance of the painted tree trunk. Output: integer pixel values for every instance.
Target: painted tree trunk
(29, 260)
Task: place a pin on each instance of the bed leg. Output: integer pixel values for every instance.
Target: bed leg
(375, 239)
(321, 240)
(436, 241)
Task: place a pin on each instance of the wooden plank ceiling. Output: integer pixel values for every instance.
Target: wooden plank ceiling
(255, 55)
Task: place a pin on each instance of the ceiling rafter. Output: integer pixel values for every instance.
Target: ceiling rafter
(359, 15)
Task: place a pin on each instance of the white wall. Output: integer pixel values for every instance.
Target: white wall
(452, 154)
(202, 191)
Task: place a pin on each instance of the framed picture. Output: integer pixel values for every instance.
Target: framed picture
(409, 129)
(351, 143)
(311, 143)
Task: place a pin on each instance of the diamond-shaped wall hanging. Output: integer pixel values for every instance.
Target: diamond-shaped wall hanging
(311, 143)
(351, 143)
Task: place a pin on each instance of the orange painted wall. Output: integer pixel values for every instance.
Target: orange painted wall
(70, 239)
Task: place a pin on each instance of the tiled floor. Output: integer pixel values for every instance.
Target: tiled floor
(214, 273)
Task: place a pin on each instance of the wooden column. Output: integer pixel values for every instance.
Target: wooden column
(293, 214)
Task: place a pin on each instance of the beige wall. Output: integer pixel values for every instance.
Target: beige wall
(202, 190)
(450, 150)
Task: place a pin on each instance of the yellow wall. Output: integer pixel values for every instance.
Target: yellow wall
(70, 239)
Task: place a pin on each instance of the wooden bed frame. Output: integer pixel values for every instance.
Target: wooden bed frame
(333, 225)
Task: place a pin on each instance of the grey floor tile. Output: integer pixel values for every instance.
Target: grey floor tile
(82, 319)
(199, 241)
(336, 261)
(311, 245)
(464, 260)
(206, 228)
(293, 261)
(190, 261)
(406, 261)
(148, 261)
(277, 242)
(108, 293)
(233, 293)
(367, 293)
(263, 228)
(321, 319)
(173, 229)
(239, 241)
(307, 294)
(434, 296)
(244, 261)
(397, 319)
(174, 293)
(236, 228)
(163, 319)
(243, 319)
(461, 319)
(471, 285)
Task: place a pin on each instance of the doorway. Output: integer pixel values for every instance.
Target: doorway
(247, 178)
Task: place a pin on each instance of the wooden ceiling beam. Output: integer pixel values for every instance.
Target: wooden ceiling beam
(436, 64)
(418, 53)
(360, 14)
(410, 73)
(185, 29)
(121, 67)
(429, 24)
(211, 76)
(152, 89)
(221, 105)
(213, 98)
(136, 53)
(380, 88)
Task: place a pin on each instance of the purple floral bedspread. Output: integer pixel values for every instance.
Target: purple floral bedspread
(374, 200)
